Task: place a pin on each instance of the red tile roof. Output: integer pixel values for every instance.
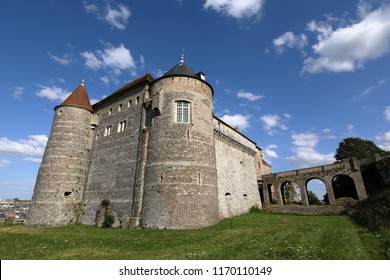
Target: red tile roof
(78, 98)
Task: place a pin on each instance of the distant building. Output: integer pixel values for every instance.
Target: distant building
(154, 149)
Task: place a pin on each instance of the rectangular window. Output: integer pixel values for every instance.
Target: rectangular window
(130, 103)
(121, 126)
(148, 116)
(110, 112)
(107, 130)
(137, 100)
(182, 112)
(120, 107)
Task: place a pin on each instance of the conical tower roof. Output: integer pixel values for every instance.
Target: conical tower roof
(181, 69)
(78, 98)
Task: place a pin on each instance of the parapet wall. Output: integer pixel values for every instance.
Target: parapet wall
(236, 171)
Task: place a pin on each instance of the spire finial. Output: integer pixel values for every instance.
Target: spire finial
(83, 82)
(182, 57)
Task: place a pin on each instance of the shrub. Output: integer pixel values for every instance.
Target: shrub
(108, 221)
(255, 209)
(373, 212)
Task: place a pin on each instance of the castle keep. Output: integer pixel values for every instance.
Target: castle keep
(154, 149)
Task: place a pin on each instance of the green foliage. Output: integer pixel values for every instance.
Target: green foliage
(7, 222)
(313, 199)
(358, 148)
(108, 221)
(373, 213)
(255, 209)
(253, 236)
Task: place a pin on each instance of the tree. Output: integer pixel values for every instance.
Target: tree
(313, 199)
(357, 148)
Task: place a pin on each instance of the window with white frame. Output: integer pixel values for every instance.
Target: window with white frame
(107, 130)
(183, 111)
(120, 107)
(121, 126)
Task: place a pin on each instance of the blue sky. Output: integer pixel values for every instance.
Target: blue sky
(296, 79)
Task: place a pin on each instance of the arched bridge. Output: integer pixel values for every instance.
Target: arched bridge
(273, 184)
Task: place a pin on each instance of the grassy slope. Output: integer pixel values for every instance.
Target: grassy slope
(251, 236)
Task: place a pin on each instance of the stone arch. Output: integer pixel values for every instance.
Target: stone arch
(290, 192)
(317, 189)
(271, 194)
(344, 188)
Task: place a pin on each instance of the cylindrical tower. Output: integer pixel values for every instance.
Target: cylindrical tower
(57, 198)
(181, 180)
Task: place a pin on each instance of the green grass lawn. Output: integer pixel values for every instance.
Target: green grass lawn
(250, 236)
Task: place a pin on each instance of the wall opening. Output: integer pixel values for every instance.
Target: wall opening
(344, 187)
(290, 193)
(271, 194)
(316, 192)
(67, 194)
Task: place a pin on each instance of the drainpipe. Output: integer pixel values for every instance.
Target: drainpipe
(137, 158)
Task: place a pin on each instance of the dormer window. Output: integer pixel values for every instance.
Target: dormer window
(183, 111)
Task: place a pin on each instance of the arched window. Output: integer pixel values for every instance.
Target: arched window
(183, 110)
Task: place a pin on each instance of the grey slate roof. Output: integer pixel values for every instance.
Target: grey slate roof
(181, 69)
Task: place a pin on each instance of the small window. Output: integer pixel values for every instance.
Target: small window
(137, 100)
(120, 107)
(148, 116)
(182, 112)
(60, 112)
(129, 103)
(67, 194)
(121, 126)
(107, 130)
(110, 112)
(97, 136)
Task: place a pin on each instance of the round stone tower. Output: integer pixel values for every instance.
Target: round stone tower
(181, 178)
(57, 198)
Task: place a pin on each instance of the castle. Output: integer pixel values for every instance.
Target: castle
(154, 150)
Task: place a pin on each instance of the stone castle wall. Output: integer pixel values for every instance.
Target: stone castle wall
(61, 178)
(236, 171)
(180, 180)
(113, 162)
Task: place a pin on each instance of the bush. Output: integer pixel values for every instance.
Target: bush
(255, 209)
(108, 221)
(373, 212)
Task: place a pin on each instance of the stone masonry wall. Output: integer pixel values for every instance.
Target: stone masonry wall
(236, 171)
(113, 162)
(180, 181)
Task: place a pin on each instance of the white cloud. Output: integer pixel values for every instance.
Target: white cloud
(272, 123)
(304, 145)
(250, 96)
(270, 153)
(53, 93)
(32, 159)
(349, 48)
(115, 16)
(116, 59)
(17, 92)
(63, 60)
(31, 149)
(238, 9)
(368, 91)
(240, 121)
(387, 113)
(384, 141)
(4, 162)
(290, 40)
